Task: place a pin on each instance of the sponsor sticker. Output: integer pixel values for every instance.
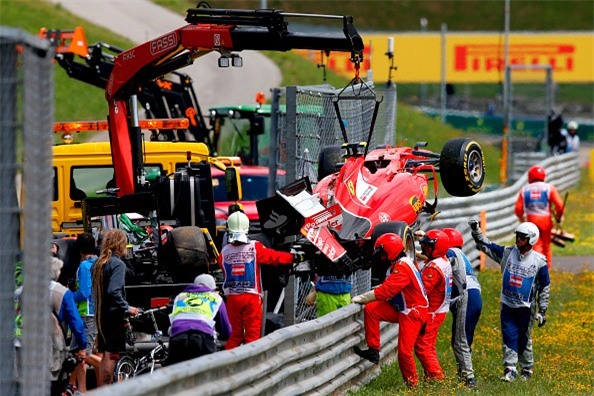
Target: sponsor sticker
(163, 43)
(416, 204)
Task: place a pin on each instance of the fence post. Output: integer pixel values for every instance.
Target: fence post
(291, 134)
(273, 157)
(483, 256)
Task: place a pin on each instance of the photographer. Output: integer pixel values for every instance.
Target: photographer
(64, 312)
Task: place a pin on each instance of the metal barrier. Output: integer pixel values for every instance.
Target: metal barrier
(313, 358)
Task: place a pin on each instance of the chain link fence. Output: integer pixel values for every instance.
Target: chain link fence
(26, 118)
(305, 120)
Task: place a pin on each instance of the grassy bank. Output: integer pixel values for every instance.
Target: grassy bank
(579, 217)
(563, 348)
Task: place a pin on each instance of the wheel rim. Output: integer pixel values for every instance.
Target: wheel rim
(475, 166)
(125, 371)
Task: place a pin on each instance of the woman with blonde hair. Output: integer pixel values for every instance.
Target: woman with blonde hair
(109, 297)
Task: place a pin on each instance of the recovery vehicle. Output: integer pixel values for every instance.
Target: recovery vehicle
(177, 196)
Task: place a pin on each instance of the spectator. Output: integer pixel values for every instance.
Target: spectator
(197, 312)
(525, 287)
(571, 137)
(55, 249)
(85, 244)
(331, 292)
(64, 313)
(535, 204)
(240, 261)
(437, 279)
(465, 304)
(399, 299)
(111, 307)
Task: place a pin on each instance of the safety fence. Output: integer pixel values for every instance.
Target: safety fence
(315, 357)
(310, 123)
(26, 118)
(312, 358)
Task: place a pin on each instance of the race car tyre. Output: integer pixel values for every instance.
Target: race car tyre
(462, 167)
(328, 159)
(125, 368)
(188, 253)
(399, 228)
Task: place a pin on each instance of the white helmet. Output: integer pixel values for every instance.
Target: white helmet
(238, 226)
(206, 280)
(572, 125)
(530, 230)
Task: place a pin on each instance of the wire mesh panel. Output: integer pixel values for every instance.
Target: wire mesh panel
(26, 117)
(316, 123)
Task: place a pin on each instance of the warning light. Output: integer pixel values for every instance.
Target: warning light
(260, 98)
(93, 126)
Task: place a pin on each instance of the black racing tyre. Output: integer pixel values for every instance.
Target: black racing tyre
(188, 253)
(399, 228)
(125, 368)
(327, 160)
(462, 167)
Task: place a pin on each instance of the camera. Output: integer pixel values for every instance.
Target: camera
(70, 363)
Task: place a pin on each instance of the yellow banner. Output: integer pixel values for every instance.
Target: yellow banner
(473, 57)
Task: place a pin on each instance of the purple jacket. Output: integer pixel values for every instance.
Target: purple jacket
(185, 316)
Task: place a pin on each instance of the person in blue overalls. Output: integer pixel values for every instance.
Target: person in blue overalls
(525, 290)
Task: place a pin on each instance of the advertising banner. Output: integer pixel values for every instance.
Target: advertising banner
(476, 57)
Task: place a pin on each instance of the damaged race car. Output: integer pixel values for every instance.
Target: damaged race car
(362, 195)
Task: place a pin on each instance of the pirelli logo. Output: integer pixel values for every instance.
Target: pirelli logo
(490, 57)
(163, 43)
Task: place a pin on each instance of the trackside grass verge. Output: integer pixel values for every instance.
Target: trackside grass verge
(563, 348)
(579, 218)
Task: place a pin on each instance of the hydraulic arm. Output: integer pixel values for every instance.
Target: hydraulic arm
(224, 31)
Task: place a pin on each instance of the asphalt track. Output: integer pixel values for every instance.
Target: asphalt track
(142, 20)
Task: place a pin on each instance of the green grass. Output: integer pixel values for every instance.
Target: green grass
(74, 100)
(563, 348)
(400, 15)
(579, 217)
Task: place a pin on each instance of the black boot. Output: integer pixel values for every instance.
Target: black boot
(370, 354)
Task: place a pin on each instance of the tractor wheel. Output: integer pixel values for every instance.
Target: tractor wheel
(462, 167)
(327, 160)
(399, 228)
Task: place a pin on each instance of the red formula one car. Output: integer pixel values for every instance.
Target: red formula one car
(384, 190)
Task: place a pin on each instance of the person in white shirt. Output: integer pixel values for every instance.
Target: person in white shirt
(571, 136)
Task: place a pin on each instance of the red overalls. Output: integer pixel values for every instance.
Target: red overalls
(400, 299)
(437, 278)
(534, 205)
(243, 287)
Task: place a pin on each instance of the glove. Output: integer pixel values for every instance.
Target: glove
(364, 298)
(541, 318)
(310, 299)
(474, 225)
(298, 257)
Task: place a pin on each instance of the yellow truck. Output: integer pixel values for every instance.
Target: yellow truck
(85, 170)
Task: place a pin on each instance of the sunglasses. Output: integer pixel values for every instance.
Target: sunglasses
(521, 236)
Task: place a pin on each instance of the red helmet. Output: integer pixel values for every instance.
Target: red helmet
(536, 173)
(391, 244)
(456, 239)
(439, 240)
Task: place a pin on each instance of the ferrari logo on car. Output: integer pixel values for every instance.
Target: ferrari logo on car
(351, 187)
(416, 204)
